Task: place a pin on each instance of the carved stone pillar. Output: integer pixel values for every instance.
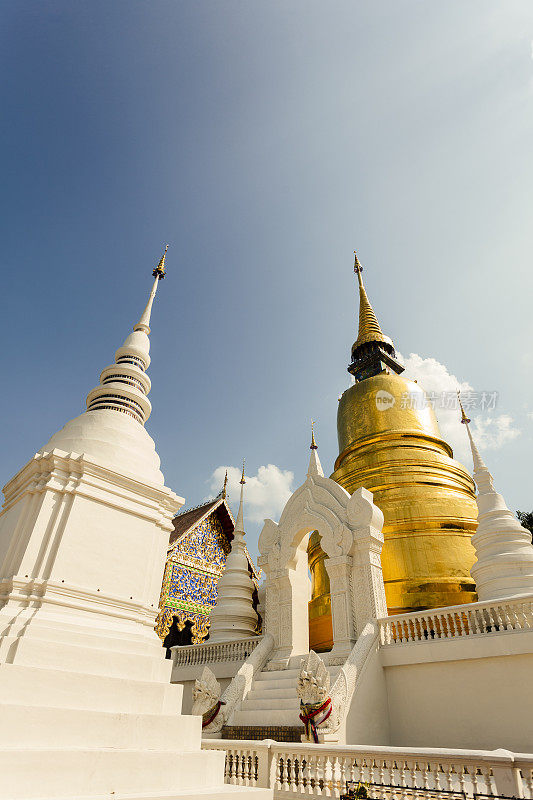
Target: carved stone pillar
(344, 635)
(370, 567)
(367, 587)
(286, 614)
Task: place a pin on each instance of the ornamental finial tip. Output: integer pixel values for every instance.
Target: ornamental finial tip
(314, 445)
(242, 476)
(357, 268)
(225, 487)
(159, 271)
(464, 419)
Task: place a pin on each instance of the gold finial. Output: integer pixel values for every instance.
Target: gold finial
(464, 419)
(242, 477)
(314, 445)
(159, 271)
(369, 327)
(224, 488)
(358, 269)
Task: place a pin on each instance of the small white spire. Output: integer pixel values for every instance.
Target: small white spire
(239, 525)
(144, 322)
(234, 616)
(504, 566)
(315, 467)
(479, 464)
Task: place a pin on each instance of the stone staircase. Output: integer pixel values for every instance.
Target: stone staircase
(272, 706)
(68, 735)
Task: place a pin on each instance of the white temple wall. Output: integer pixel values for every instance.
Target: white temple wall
(62, 531)
(90, 545)
(367, 720)
(469, 694)
(20, 516)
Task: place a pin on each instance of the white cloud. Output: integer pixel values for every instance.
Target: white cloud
(490, 430)
(493, 432)
(265, 493)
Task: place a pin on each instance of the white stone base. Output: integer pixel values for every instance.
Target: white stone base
(66, 734)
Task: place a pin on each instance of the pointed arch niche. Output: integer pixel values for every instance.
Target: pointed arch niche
(350, 528)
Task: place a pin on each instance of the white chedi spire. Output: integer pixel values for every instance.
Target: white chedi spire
(233, 616)
(119, 440)
(315, 467)
(504, 566)
(124, 386)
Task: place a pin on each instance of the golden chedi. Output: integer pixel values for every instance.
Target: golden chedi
(390, 443)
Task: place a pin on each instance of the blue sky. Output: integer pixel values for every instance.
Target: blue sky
(265, 141)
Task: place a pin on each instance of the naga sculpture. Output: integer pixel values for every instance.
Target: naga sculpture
(313, 689)
(217, 711)
(324, 709)
(206, 698)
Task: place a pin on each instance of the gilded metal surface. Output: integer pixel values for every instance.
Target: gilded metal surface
(391, 444)
(160, 271)
(320, 621)
(395, 450)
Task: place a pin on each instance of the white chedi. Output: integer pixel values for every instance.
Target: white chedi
(83, 540)
(504, 566)
(233, 616)
(119, 440)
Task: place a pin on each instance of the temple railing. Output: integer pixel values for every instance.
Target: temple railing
(211, 653)
(389, 773)
(471, 619)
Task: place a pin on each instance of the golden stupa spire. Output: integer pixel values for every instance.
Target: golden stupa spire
(314, 445)
(159, 271)
(242, 481)
(369, 327)
(464, 419)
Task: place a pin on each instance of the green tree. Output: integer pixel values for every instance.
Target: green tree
(526, 520)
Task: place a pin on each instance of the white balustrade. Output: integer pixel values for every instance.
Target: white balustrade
(471, 619)
(390, 773)
(197, 654)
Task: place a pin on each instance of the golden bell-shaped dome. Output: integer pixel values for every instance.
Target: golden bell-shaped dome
(390, 443)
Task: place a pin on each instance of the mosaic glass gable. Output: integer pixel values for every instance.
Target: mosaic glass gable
(194, 565)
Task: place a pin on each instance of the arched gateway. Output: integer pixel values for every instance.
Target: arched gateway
(351, 536)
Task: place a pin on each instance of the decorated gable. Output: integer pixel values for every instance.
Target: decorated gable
(196, 559)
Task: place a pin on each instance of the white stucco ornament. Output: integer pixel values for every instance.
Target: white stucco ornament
(314, 682)
(350, 528)
(206, 692)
